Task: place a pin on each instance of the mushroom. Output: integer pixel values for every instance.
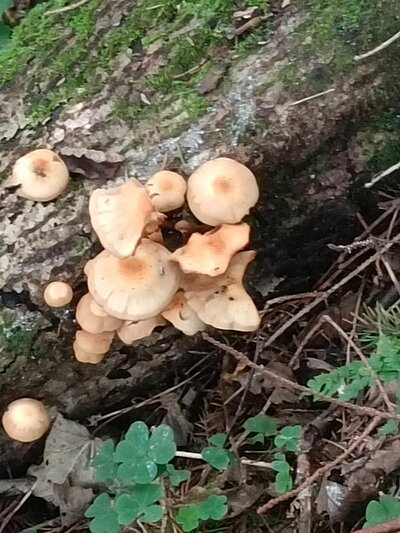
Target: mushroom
(91, 322)
(86, 357)
(58, 294)
(166, 190)
(221, 191)
(97, 310)
(94, 343)
(137, 287)
(222, 301)
(26, 420)
(182, 316)
(134, 331)
(119, 216)
(210, 253)
(41, 175)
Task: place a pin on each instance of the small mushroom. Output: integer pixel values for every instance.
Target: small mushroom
(119, 216)
(58, 294)
(210, 253)
(134, 331)
(26, 420)
(182, 316)
(96, 309)
(137, 287)
(41, 175)
(91, 322)
(221, 191)
(94, 343)
(86, 357)
(222, 301)
(166, 190)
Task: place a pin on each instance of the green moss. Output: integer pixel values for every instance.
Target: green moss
(19, 339)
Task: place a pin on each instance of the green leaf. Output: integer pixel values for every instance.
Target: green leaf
(103, 462)
(147, 494)
(216, 457)
(283, 482)
(261, 424)
(4, 5)
(135, 445)
(162, 447)
(391, 427)
(143, 472)
(188, 517)
(151, 514)
(127, 508)
(387, 508)
(256, 439)
(176, 477)
(105, 519)
(288, 438)
(5, 34)
(218, 440)
(214, 507)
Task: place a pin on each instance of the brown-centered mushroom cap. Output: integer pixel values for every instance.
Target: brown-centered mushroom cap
(222, 302)
(119, 216)
(210, 253)
(91, 322)
(94, 343)
(182, 316)
(26, 420)
(42, 176)
(85, 357)
(221, 191)
(134, 331)
(58, 294)
(167, 190)
(137, 287)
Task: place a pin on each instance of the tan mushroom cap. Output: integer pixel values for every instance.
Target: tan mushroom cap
(137, 287)
(58, 294)
(41, 174)
(221, 191)
(119, 216)
(222, 302)
(210, 253)
(97, 310)
(91, 322)
(26, 420)
(166, 190)
(98, 343)
(134, 331)
(85, 357)
(182, 316)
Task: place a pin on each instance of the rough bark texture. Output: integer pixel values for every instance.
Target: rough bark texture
(308, 159)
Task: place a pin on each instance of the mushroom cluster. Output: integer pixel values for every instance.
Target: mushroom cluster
(136, 283)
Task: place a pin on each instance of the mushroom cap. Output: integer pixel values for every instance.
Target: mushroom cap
(166, 190)
(222, 302)
(41, 174)
(134, 331)
(182, 316)
(119, 216)
(137, 287)
(210, 253)
(97, 310)
(98, 343)
(86, 357)
(91, 322)
(221, 191)
(58, 294)
(26, 420)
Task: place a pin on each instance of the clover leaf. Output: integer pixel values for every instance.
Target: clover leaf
(214, 507)
(288, 438)
(261, 423)
(176, 477)
(152, 513)
(188, 517)
(162, 447)
(127, 509)
(105, 518)
(283, 479)
(104, 466)
(139, 504)
(387, 508)
(216, 455)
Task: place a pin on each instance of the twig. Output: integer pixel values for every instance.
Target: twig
(392, 275)
(385, 44)
(9, 517)
(329, 291)
(387, 527)
(308, 98)
(290, 297)
(360, 409)
(293, 363)
(383, 174)
(247, 462)
(374, 375)
(66, 8)
(320, 472)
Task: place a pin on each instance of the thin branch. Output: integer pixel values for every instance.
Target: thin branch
(9, 517)
(247, 462)
(66, 8)
(383, 174)
(385, 44)
(324, 470)
(308, 98)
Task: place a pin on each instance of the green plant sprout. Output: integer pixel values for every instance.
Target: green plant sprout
(283, 479)
(385, 509)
